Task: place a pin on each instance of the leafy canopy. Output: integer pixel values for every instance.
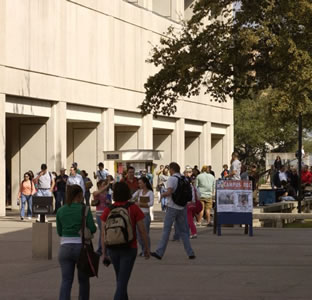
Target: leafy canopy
(265, 44)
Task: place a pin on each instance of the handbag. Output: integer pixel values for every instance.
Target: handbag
(88, 261)
(95, 202)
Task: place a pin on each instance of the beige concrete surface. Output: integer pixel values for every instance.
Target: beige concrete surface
(274, 264)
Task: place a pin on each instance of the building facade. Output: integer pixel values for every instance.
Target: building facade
(71, 79)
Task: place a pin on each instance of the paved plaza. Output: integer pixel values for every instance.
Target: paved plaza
(274, 264)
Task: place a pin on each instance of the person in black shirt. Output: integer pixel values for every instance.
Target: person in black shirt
(210, 171)
(61, 189)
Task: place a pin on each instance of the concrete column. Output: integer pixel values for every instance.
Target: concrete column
(106, 137)
(2, 42)
(57, 137)
(2, 155)
(205, 145)
(178, 143)
(228, 145)
(148, 4)
(145, 133)
(177, 10)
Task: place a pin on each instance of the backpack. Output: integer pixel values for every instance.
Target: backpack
(183, 192)
(118, 227)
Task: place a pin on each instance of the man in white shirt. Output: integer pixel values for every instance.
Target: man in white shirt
(75, 178)
(100, 174)
(175, 213)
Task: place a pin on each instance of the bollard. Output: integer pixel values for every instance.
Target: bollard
(42, 240)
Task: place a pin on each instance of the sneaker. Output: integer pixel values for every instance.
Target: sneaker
(194, 236)
(154, 254)
(198, 224)
(192, 257)
(29, 218)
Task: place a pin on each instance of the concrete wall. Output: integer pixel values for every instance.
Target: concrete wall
(73, 73)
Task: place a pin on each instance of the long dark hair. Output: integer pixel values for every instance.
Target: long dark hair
(29, 176)
(147, 183)
(72, 191)
(121, 192)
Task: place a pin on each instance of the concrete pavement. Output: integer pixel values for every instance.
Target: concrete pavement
(274, 264)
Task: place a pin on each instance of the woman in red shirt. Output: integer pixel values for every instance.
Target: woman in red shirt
(123, 258)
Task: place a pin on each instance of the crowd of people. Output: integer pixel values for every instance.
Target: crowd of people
(136, 196)
(285, 179)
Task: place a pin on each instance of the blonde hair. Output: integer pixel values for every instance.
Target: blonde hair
(205, 169)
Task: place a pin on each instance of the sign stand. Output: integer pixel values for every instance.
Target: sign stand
(233, 204)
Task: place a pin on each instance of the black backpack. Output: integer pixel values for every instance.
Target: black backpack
(183, 192)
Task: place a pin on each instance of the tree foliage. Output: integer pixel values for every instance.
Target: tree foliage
(265, 44)
(255, 133)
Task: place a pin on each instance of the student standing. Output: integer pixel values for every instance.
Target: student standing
(145, 196)
(68, 222)
(123, 258)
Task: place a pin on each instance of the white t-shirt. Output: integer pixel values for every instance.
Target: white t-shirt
(101, 175)
(236, 166)
(150, 194)
(282, 176)
(45, 180)
(173, 184)
(77, 179)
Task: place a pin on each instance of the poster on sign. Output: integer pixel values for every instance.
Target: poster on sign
(234, 196)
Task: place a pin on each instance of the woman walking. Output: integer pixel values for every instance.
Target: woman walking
(88, 184)
(26, 191)
(101, 200)
(123, 258)
(68, 222)
(145, 196)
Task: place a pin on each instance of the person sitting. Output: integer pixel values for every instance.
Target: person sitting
(289, 193)
(306, 176)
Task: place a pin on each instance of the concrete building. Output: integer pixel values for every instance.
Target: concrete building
(71, 79)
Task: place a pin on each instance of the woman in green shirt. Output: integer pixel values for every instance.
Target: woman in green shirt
(68, 221)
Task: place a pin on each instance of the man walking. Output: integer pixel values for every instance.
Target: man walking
(75, 178)
(205, 183)
(100, 174)
(61, 181)
(131, 180)
(175, 213)
(45, 183)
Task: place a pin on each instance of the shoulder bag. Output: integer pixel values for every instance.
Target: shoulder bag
(88, 261)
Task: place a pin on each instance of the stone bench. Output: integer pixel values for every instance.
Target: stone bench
(280, 207)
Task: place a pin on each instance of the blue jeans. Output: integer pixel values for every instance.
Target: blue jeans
(24, 199)
(68, 257)
(147, 224)
(180, 219)
(59, 199)
(123, 260)
(87, 197)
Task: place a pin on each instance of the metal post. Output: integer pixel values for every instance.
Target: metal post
(299, 160)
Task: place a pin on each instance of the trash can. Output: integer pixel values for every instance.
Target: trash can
(267, 196)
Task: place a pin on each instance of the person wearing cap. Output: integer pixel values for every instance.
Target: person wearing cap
(60, 181)
(101, 173)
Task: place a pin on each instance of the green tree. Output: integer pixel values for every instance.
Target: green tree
(255, 133)
(266, 44)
